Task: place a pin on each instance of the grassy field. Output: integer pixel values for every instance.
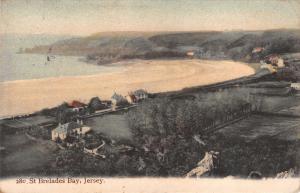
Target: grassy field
(29, 121)
(24, 155)
(294, 110)
(112, 125)
(277, 103)
(257, 126)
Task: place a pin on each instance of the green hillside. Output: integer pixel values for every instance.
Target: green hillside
(107, 47)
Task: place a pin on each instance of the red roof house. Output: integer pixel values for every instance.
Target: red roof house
(76, 104)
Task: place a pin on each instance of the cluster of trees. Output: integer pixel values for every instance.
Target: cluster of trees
(163, 116)
(166, 128)
(73, 161)
(65, 114)
(266, 154)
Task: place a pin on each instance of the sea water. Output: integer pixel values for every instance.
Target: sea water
(14, 66)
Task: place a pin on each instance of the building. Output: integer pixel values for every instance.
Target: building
(280, 63)
(268, 67)
(258, 50)
(275, 60)
(82, 130)
(190, 54)
(77, 105)
(131, 99)
(296, 86)
(62, 131)
(118, 100)
(140, 94)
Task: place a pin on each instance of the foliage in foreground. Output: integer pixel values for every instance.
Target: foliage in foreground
(166, 128)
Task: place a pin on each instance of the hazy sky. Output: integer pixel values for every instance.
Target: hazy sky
(83, 17)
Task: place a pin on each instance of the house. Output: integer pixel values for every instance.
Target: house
(82, 130)
(280, 63)
(140, 94)
(275, 60)
(118, 100)
(258, 50)
(190, 53)
(269, 67)
(62, 131)
(296, 86)
(131, 98)
(77, 105)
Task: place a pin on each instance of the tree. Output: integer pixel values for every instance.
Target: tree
(95, 104)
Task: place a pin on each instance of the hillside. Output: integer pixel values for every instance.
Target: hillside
(238, 45)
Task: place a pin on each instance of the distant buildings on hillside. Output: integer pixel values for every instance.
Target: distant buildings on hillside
(272, 62)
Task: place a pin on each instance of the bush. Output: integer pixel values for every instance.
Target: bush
(166, 127)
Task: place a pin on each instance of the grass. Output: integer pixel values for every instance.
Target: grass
(275, 103)
(112, 125)
(24, 156)
(257, 126)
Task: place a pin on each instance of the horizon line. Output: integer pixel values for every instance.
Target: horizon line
(150, 31)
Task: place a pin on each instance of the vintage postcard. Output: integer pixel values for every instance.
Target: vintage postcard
(149, 96)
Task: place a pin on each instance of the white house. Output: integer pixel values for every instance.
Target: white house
(190, 53)
(280, 63)
(61, 132)
(118, 100)
(82, 130)
(64, 130)
(295, 85)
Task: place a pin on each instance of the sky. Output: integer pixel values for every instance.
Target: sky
(84, 17)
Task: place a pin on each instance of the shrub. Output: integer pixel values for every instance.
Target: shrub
(166, 127)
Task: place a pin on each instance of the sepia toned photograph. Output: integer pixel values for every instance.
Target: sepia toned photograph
(128, 93)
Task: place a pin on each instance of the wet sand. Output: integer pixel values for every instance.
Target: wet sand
(27, 96)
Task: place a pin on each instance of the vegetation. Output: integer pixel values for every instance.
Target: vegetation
(267, 155)
(237, 45)
(95, 104)
(40, 132)
(166, 128)
(74, 162)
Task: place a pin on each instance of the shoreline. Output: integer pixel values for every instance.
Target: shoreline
(28, 96)
(124, 63)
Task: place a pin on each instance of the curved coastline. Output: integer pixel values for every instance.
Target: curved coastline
(27, 96)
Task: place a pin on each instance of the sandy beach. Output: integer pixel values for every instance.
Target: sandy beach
(27, 96)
